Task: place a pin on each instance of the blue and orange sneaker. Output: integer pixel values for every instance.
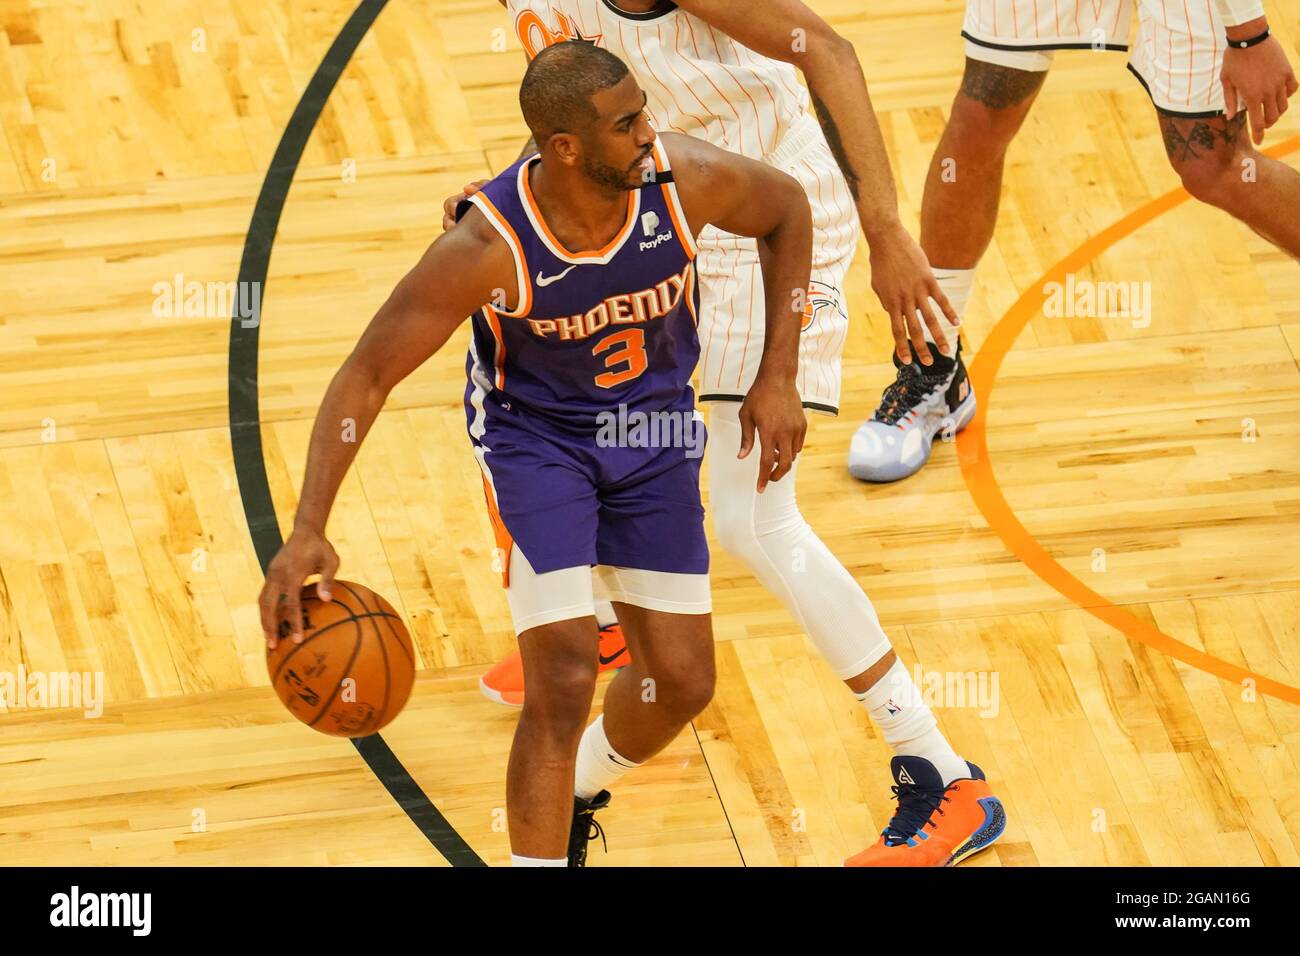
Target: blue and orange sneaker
(935, 825)
(504, 683)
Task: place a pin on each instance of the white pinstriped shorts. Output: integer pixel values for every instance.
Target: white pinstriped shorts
(732, 305)
(1177, 56)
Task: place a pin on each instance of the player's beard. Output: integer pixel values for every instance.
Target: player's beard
(612, 177)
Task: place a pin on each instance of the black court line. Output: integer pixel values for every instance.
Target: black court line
(245, 426)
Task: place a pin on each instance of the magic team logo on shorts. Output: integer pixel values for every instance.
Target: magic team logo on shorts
(821, 296)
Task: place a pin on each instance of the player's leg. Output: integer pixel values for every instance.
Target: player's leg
(669, 681)
(1220, 166)
(543, 505)
(654, 562)
(959, 207)
(559, 662)
(1179, 59)
(958, 212)
(768, 532)
(503, 682)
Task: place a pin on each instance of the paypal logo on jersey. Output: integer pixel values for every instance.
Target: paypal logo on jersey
(649, 223)
(653, 243)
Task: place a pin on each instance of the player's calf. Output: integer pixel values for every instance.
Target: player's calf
(670, 680)
(559, 660)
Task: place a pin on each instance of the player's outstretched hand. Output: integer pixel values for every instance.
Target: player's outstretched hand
(776, 412)
(1263, 79)
(902, 280)
(304, 554)
(451, 202)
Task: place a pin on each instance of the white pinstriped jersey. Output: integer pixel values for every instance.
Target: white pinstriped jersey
(697, 79)
(701, 82)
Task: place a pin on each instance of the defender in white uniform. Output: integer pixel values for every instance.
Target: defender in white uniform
(725, 71)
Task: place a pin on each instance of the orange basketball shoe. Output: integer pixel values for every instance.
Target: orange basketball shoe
(935, 825)
(504, 683)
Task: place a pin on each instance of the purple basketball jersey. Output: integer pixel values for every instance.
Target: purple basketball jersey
(592, 330)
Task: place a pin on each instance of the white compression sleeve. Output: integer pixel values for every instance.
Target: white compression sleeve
(769, 534)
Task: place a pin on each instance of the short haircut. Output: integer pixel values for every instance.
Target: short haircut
(555, 95)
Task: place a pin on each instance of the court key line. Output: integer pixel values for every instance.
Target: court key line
(245, 419)
(977, 467)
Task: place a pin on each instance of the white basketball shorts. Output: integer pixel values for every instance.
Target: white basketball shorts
(732, 304)
(1177, 57)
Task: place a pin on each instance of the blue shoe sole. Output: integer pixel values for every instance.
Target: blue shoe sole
(995, 824)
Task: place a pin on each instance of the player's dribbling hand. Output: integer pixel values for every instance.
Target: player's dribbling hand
(451, 202)
(1259, 78)
(776, 412)
(903, 281)
(304, 554)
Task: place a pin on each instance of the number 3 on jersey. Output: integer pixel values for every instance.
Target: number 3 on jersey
(632, 351)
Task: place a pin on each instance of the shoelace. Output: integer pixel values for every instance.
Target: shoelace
(916, 808)
(907, 391)
(594, 830)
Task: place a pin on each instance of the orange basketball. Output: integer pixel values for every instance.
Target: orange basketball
(354, 669)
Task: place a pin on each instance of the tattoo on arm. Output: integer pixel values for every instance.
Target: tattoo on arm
(999, 87)
(837, 146)
(1187, 138)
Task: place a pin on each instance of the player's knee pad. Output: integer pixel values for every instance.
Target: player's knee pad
(759, 529)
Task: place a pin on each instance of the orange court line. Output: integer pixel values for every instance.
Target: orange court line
(977, 468)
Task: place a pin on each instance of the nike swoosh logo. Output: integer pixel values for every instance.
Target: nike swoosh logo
(544, 281)
(613, 657)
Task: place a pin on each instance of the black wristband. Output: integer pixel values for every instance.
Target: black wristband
(1242, 44)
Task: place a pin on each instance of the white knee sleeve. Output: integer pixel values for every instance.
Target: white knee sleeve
(769, 534)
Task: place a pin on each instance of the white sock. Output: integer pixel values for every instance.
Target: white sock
(536, 861)
(599, 764)
(895, 704)
(956, 285)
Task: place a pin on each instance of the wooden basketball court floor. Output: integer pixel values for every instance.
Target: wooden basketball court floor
(1135, 594)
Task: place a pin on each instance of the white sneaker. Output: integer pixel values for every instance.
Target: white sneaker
(921, 402)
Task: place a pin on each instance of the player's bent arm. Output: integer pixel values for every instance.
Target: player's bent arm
(750, 198)
(457, 274)
(787, 30)
(461, 271)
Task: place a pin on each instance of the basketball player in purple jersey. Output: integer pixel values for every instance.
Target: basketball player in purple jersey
(561, 339)
(726, 72)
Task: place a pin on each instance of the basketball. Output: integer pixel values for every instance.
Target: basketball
(353, 672)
